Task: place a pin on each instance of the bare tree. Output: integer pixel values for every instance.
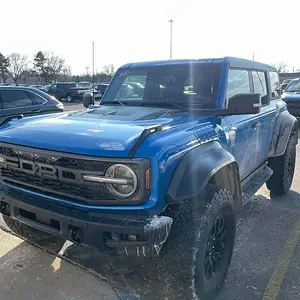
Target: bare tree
(18, 65)
(109, 70)
(48, 66)
(281, 67)
(54, 65)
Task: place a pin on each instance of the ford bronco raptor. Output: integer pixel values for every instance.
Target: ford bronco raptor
(164, 172)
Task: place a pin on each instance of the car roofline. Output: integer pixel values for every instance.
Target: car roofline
(233, 62)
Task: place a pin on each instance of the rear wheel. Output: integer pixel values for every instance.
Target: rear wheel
(283, 169)
(69, 98)
(199, 249)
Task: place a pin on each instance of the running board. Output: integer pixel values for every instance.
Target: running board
(252, 183)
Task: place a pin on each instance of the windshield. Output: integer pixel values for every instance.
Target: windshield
(182, 85)
(293, 86)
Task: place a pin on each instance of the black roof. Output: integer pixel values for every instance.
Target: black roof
(234, 62)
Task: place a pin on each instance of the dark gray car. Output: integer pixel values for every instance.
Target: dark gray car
(26, 101)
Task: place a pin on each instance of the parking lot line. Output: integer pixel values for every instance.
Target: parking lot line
(278, 275)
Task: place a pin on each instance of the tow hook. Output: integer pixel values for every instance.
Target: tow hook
(74, 233)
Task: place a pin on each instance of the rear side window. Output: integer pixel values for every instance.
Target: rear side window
(275, 85)
(36, 99)
(15, 99)
(238, 82)
(260, 85)
(71, 85)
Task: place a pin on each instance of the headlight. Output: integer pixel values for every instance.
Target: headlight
(121, 173)
(59, 106)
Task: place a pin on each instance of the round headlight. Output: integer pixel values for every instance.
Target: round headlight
(128, 181)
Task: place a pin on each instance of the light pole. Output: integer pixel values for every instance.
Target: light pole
(171, 36)
(93, 68)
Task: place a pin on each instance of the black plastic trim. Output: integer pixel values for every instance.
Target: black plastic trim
(142, 137)
(195, 170)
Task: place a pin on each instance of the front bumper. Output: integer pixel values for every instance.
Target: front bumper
(126, 235)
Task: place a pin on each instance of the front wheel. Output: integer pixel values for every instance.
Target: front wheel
(283, 169)
(198, 251)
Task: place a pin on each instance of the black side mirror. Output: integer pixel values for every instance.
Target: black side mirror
(87, 99)
(243, 104)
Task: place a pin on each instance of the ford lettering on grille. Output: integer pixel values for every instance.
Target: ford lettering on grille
(41, 169)
(59, 174)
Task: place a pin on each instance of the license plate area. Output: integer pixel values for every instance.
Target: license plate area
(38, 219)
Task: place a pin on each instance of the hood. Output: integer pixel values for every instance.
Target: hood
(289, 96)
(106, 131)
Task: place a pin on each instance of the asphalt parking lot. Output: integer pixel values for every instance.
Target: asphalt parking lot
(265, 264)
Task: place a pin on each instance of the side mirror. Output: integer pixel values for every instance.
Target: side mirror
(87, 99)
(243, 104)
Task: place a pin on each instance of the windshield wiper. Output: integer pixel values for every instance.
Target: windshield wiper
(162, 103)
(113, 102)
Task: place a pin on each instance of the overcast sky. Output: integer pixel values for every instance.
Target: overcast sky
(131, 30)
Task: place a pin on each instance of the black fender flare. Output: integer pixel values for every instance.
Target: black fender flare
(284, 126)
(196, 168)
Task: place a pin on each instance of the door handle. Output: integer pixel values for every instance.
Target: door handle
(256, 125)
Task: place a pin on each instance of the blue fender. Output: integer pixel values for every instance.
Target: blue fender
(195, 170)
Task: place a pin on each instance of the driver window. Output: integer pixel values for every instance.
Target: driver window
(238, 82)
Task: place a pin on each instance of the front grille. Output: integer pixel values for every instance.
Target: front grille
(54, 174)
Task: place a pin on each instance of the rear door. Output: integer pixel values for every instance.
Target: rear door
(266, 118)
(14, 102)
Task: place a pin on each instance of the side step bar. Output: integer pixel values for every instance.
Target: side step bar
(252, 183)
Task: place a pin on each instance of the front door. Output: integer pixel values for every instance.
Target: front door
(241, 130)
(242, 135)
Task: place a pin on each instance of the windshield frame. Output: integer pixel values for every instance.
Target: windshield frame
(219, 102)
(291, 85)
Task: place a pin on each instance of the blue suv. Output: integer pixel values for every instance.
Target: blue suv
(162, 172)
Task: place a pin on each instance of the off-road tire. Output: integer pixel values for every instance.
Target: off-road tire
(27, 232)
(283, 169)
(186, 248)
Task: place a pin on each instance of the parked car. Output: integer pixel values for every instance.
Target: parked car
(138, 88)
(285, 84)
(39, 86)
(291, 96)
(98, 90)
(26, 101)
(66, 90)
(162, 173)
(85, 84)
